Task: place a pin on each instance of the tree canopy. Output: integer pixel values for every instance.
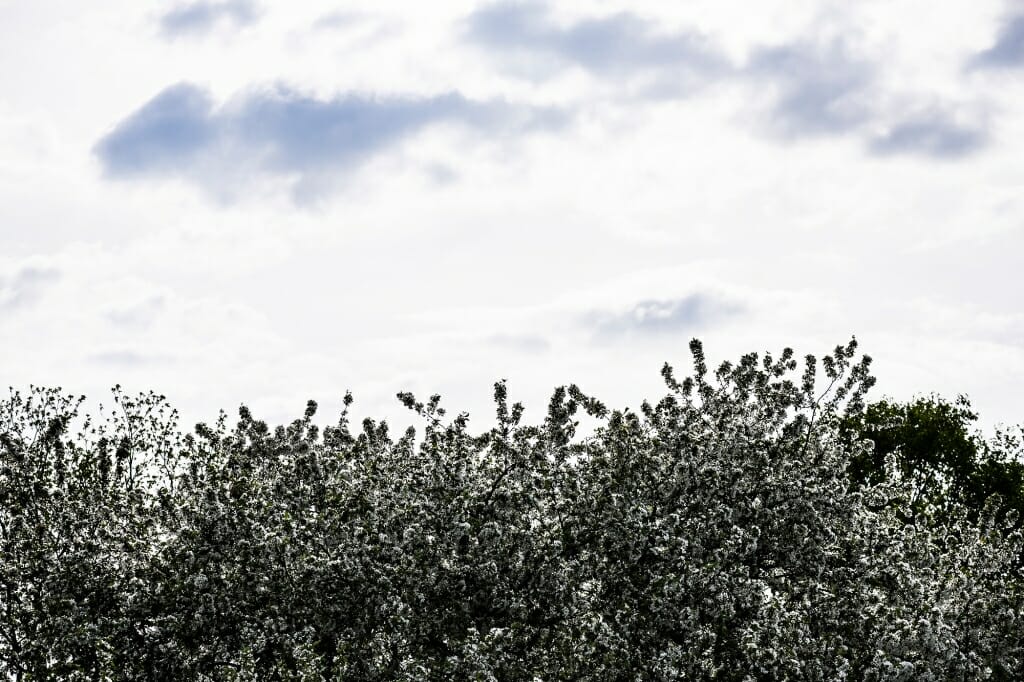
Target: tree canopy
(948, 465)
(756, 522)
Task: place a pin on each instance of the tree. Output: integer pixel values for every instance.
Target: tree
(946, 463)
(721, 532)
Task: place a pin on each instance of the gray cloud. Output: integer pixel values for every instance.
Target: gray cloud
(201, 16)
(280, 132)
(168, 133)
(654, 316)
(619, 45)
(25, 286)
(1008, 49)
(813, 88)
(932, 134)
(818, 89)
(824, 90)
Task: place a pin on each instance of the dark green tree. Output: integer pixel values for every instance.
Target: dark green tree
(933, 446)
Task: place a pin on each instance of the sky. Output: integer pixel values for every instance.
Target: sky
(247, 201)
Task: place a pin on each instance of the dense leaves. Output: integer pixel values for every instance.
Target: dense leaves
(947, 465)
(752, 524)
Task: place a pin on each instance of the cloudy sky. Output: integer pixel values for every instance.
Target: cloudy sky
(245, 200)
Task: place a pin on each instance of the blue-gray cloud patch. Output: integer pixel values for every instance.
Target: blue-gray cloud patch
(817, 89)
(932, 134)
(622, 44)
(1007, 52)
(281, 132)
(166, 135)
(825, 89)
(810, 88)
(202, 16)
(24, 286)
(663, 316)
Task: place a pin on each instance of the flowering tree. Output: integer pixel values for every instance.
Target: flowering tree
(728, 531)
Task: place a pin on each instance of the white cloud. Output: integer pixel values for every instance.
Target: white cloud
(455, 259)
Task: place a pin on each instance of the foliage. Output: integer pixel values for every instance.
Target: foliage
(947, 465)
(722, 532)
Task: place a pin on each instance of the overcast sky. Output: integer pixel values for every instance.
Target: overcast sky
(236, 201)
